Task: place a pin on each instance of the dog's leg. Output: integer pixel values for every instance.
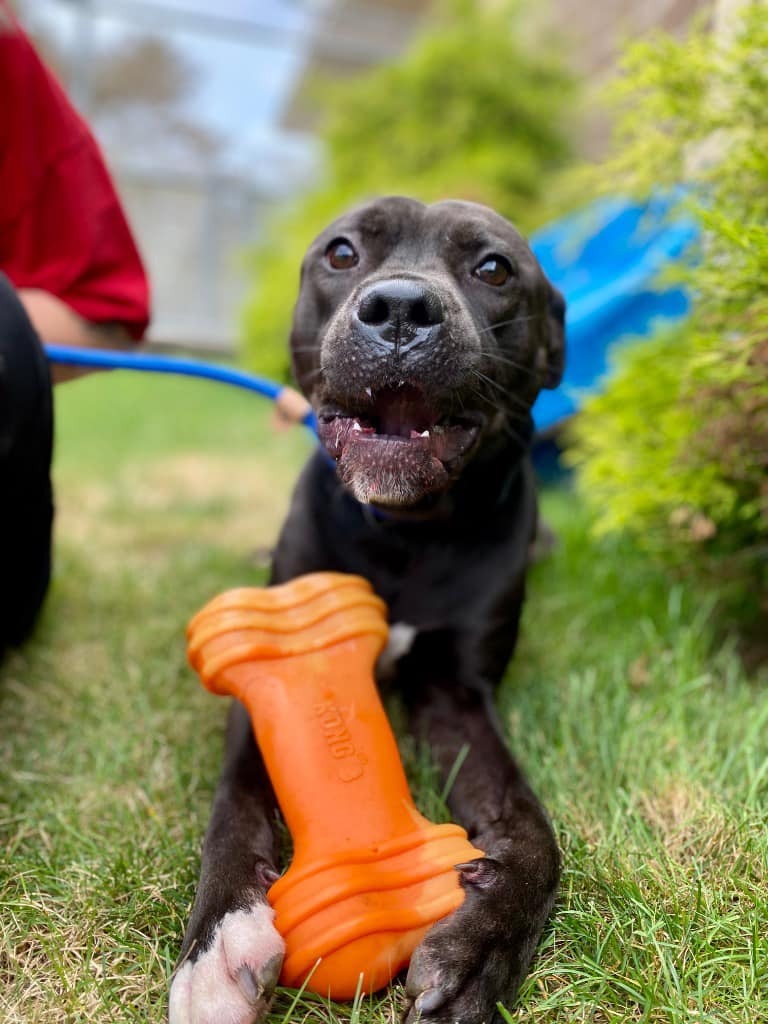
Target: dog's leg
(231, 954)
(479, 955)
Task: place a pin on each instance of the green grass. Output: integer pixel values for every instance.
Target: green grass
(643, 735)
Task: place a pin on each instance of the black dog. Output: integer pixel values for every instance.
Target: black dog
(422, 336)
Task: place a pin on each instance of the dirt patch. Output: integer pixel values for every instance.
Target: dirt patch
(228, 503)
(689, 823)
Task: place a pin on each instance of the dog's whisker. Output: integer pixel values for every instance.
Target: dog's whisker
(504, 360)
(510, 405)
(315, 371)
(509, 418)
(494, 403)
(494, 384)
(517, 436)
(507, 323)
(509, 397)
(520, 440)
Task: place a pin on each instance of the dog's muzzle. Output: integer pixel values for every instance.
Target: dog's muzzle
(397, 450)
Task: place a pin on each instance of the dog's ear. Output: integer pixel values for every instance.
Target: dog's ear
(552, 354)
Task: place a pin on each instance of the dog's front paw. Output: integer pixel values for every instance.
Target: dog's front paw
(474, 958)
(231, 980)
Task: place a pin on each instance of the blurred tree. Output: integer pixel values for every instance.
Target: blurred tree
(137, 89)
(140, 72)
(476, 110)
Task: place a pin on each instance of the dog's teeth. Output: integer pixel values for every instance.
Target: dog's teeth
(356, 426)
(369, 392)
(424, 433)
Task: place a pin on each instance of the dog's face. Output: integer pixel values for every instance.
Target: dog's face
(419, 332)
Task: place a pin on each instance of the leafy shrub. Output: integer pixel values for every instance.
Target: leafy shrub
(472, 111)
(676, 449)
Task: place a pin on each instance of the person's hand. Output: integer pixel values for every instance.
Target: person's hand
(290, 407)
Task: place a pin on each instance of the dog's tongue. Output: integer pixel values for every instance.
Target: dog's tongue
(386, 470)
(402, 413)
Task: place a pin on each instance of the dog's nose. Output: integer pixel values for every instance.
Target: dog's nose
(396, 308)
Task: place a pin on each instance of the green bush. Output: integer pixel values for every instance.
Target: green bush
(473, 111)
(676, 449)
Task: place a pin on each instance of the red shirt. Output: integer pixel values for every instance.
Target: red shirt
(62, 228)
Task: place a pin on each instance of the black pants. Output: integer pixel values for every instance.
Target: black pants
(26, 497)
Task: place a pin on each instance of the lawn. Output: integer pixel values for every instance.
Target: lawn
(637, 724)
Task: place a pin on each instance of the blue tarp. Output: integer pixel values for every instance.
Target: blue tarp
(607, 261)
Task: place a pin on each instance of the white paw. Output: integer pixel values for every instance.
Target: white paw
(233, 980)
(401, 637)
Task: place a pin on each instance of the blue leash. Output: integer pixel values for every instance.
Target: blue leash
(108, 359)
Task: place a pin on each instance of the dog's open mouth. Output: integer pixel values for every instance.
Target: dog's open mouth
(399, 449)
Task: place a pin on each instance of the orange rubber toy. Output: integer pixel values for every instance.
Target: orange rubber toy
(369, 873)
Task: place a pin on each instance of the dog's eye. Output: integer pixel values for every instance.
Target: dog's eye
(341, 254)
(494, 270)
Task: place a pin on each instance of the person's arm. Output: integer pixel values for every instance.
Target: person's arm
(57, 323)
(65, 243)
